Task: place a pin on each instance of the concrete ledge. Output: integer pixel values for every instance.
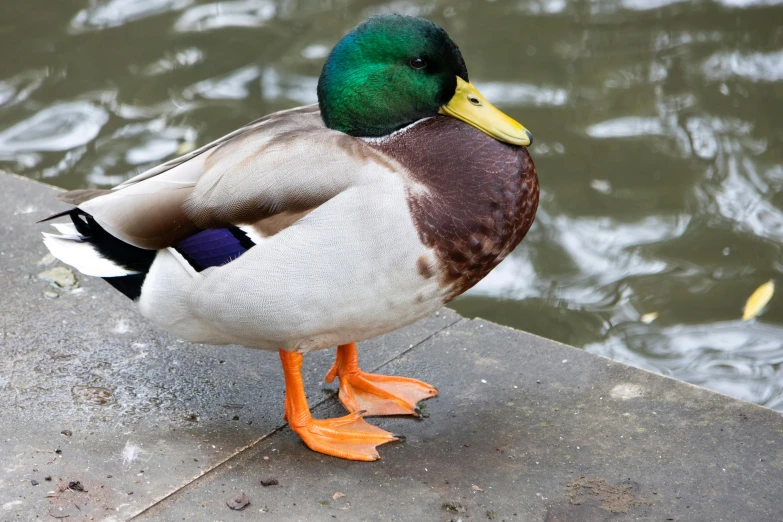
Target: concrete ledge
(524, 428)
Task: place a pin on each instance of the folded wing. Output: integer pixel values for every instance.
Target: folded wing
(285, 163)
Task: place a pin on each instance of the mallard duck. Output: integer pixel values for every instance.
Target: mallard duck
(323, 225)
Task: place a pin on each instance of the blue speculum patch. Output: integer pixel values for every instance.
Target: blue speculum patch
(214, 247)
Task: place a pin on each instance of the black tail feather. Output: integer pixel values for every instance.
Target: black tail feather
(55, 216)
(129, 285)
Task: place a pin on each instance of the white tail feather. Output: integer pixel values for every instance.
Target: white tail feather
(71, 250)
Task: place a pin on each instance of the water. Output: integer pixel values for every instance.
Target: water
(658, 144)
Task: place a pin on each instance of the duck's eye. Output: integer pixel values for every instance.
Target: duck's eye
(417, 63)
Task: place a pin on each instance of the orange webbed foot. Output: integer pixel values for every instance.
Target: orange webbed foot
(376, 394)
(348, 437)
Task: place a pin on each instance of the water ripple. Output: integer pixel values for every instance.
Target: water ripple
(59, 127)
(644, 5)
(18, 88)
(237, 13)
(743, 198)
(757, 67)
(542, 7)
(600, 253)
(235, 85)
(522, 95)
(276, 85)
(171, 62)
(740, 4)
(113, 13)
(626, 127)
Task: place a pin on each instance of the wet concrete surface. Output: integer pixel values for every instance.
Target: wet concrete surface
(523, 429)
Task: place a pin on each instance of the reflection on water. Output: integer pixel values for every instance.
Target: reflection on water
(61, 127)
(658, 144)
(237, 13)
(113, 13)
(759, 67)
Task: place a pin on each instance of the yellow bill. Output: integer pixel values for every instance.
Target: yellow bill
(470, 106)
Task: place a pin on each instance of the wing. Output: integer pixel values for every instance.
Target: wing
(284, 164)
(275, 117)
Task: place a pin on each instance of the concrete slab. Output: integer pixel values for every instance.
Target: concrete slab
(146, 413)
(524, 428)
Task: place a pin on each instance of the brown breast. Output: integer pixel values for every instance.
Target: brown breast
(480, 201)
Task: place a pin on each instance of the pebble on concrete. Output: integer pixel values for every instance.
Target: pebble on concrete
(239, 502)
(76, 485)
(59, 276)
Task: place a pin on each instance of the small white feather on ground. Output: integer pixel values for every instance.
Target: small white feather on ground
(131, 453)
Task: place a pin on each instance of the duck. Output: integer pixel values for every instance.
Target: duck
(323, 225)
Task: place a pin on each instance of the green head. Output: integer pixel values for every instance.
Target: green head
(388, 72)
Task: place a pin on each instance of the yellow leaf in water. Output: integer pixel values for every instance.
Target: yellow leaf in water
(648, 318)
(758, 300)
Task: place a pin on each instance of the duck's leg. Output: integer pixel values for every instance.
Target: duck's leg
(375, 394)
(347, 437)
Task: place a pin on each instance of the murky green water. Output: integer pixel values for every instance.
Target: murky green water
(658, 144)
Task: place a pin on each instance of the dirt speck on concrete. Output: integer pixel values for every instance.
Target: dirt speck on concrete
(269, 482)
(238, 502)
(454, 507)
(76, 485)
(614, 498)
